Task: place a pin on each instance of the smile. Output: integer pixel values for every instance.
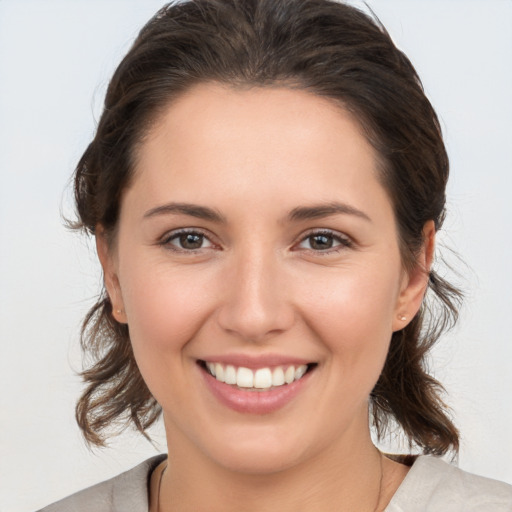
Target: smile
(260, 379)
(256, 385)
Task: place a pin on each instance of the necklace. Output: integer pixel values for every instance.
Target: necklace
(157, 503)
(380, 482)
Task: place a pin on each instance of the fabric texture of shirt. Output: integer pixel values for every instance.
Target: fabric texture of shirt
(431, 485)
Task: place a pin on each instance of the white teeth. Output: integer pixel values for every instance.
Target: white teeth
(219, 372)
(289, 374)
(262, 378)
(278, 376)
(244, 378)
(230, 375)
(211, 367)
(300, 371)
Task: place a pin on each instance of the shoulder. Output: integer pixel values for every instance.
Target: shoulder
(127, 492)
(433, 485)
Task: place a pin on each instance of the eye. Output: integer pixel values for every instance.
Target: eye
(325, 241)
(186, 240)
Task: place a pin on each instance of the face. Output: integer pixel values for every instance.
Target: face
(257, 244)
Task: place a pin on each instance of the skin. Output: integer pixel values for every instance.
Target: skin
(258, 284)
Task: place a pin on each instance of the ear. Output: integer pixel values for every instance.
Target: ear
(415, 281)
(110, 278)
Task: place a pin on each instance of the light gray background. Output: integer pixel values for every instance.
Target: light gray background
(55, 61)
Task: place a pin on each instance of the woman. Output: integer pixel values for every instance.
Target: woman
(265, 187)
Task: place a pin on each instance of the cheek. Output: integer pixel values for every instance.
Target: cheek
(352, 311)
(352, 300)
(165, 308)
(165, 312)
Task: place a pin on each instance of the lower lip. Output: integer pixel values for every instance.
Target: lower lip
(254, 402)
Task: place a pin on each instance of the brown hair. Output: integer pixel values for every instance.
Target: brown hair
(322, 46)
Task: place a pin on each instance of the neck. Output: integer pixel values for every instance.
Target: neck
(348, 475)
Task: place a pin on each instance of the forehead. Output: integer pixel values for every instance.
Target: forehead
(274, 143)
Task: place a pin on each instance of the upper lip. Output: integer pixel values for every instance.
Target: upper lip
(256, 361)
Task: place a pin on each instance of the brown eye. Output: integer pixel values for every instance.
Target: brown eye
(321, 242)
(187, 241)
(191, 241)
(325, 241)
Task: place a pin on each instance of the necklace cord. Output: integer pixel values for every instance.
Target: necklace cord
(157, 505)
(380, 483)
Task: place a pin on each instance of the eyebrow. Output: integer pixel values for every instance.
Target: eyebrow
(325, 210)
(297, 214)
(193, 210)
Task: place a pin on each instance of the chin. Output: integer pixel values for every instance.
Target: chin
(260, 461)
(257, 454)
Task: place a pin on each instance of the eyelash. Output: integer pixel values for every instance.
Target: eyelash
(175, 235)
(344, 242)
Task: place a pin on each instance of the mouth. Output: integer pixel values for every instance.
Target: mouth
(257, 379)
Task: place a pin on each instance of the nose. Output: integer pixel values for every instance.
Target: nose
(256, 305)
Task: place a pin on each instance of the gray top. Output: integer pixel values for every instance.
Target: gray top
(431, 485)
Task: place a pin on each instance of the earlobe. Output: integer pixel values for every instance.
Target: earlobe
(416, 281)
(110, 277)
